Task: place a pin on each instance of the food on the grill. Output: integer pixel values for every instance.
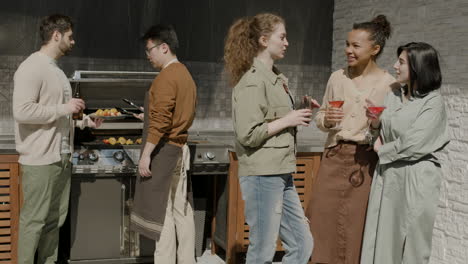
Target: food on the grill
(112, 140)
(108, 112)
(121, 141)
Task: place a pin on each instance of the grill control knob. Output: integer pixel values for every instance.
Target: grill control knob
(210, 155)
(93, 156)
(119, 156)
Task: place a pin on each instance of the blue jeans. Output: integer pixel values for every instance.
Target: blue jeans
(272, 207)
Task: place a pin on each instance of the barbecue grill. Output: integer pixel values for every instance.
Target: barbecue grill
(103, 175)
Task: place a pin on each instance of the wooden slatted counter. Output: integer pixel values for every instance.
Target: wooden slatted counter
(9, 208)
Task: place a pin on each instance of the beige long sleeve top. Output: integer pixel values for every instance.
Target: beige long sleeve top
(355, 122)
(39, 111)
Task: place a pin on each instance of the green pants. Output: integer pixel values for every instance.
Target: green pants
(46, 191)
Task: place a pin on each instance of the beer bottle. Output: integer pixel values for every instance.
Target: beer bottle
(79, 115)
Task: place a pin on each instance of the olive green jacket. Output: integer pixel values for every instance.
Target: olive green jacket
(258, 98)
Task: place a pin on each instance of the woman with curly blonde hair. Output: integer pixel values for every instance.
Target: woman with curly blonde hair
(265, 124)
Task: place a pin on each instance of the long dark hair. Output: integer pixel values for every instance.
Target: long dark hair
(424, 69)
(379, 30)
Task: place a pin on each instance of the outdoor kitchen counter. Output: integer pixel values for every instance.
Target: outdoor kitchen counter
(309, 139)
(7, 145)
(10, 197)
(8, 151)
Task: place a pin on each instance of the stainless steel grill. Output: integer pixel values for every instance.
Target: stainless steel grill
(210, 152)
(103, 178)
(209, 155)
(105, 89)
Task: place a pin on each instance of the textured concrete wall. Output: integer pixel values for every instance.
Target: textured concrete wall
(110, 43)
(443, 24)
(214, 94)
(110, 30)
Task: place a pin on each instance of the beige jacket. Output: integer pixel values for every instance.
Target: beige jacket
(38, 109)
(258, 99)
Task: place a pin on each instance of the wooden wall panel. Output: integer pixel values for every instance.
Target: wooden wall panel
(9, 208)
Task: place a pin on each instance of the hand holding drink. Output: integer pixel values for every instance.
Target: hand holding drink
(307, 102)
(301, 117)
(336, 104)
(376, 110)
(373, 112)
(77, 115)
(335, 113)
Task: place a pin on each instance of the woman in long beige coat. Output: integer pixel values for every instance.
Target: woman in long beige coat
(405, 190)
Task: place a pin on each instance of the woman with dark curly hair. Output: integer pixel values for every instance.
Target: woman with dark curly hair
(406, 187)
(338, 201)
(265, 126)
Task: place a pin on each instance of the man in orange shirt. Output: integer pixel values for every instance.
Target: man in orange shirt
(162, 210)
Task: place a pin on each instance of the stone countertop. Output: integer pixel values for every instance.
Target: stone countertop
(309, 139)
(8, 151)
(309, 148)
(7, 145)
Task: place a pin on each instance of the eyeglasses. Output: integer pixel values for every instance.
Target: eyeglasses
(147, 51)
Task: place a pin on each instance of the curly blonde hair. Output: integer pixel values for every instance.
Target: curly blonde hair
(241, 45)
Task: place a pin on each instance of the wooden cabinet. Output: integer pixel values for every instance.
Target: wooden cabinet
(9, 208)
(237, 233)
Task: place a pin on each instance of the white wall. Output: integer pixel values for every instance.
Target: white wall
(444, 24)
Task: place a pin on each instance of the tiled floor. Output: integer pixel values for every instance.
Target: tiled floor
(207, 258)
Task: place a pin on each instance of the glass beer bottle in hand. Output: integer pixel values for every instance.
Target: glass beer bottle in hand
(79, 115)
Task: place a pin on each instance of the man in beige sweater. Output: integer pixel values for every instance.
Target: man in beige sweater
(42, 109)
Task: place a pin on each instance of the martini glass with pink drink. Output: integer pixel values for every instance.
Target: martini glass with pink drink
(376, 110)
(336, 102)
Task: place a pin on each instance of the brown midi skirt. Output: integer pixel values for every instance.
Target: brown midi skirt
(338, 203)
